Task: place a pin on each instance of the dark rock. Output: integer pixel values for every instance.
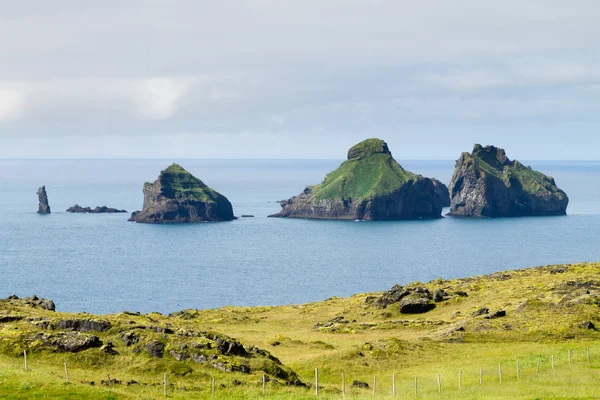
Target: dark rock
(129, 338)
(44, 207)
(47, 305)
(230, 347)
(109, 348)
(497, 314)
(415, 305)
(481, 311)
(442, 191)
(487, 184)
(394, 295)
(155, 349)
(98, 210)
(369, 185)
(10, 318)
(360, 384)
(71, 342)
(199, 358)
(177, 196)
(439, 295)
(460, 293)
(588, 325)
(247, 216)
(84, 325)
(178, 356)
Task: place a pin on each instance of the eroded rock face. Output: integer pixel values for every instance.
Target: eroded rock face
(486, 183)
(44, 207)
(84, 325)
(370, 185)
(177, 196)
(71, 342)
(442, 191)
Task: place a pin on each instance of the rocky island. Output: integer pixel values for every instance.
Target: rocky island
(369, 185)
(44, 207)
(443, 191)
(486, 183)
(177, 197)
(98, 210)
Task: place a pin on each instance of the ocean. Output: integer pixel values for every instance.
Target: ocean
(100, 263)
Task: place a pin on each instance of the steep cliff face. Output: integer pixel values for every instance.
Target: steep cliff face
(442, 191)
(177, 196)
(44, 207)
(370, 185)
(486, 183)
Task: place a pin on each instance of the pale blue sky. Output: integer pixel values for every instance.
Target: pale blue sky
(299, 79)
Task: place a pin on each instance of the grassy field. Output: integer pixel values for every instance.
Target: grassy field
(545, 311)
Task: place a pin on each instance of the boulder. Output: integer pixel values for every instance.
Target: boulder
(84, 325)
(155, 349)
(588, 325)
(44, 207)
(439, 295)
(369, 185)
(497, 314)
(360, 384)
(415, 305)
(129, 338)
(486, 183)
(177, 196)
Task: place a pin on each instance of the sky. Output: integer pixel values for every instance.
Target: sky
(298, 79)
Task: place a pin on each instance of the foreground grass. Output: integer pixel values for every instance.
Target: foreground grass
(545, 309)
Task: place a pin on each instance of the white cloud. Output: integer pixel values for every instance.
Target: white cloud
(11, 104)
(158, 98)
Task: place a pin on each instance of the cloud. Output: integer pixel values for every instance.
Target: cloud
(11, 104)
(158, 98)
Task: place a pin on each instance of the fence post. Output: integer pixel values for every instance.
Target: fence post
(374, 385)
(316, 381)
(500, 371)
(416, 387)
(552, 361)
(165, 384)
(459, 379)
(569, 356)
(25, 357)
(439, 383)
(538, 366)
(518, 371)
(588, 354)
(393, 384)
(66, 372)
(480, 376)
(343, 385)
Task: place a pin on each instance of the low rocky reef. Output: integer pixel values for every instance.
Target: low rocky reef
(369, 185)
(97, 210)
(486, 183)
(179, 197)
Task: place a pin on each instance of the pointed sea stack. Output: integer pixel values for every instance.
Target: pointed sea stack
(369, 185)
(177, 197)
(486, 183)
(44, 207)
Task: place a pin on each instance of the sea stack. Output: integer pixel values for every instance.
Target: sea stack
(44, 207)
(369, 185)
(487, 184)
(179, 197)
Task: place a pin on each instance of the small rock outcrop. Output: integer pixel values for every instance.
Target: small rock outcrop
(442, 191)
(369, 185)
(84, 325)
(97, 210)
(44, 207)
(486, 183)
(177, 196)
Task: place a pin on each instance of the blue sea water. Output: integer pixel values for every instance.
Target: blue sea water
(102, 263)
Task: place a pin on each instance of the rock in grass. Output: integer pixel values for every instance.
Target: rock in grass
(84, 325)
(369, 185)
(497, 314)
(71, 342)
(178, 196)
(360, 384)
(588, 325)
(486, 183)
(155, 349)
(44, 207)
(415, 305)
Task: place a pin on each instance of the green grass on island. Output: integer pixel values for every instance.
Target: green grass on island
(532, 181)
(370, 171)
(546, 308)
(178, 183)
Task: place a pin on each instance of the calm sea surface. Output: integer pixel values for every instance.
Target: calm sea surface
(102, 263)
